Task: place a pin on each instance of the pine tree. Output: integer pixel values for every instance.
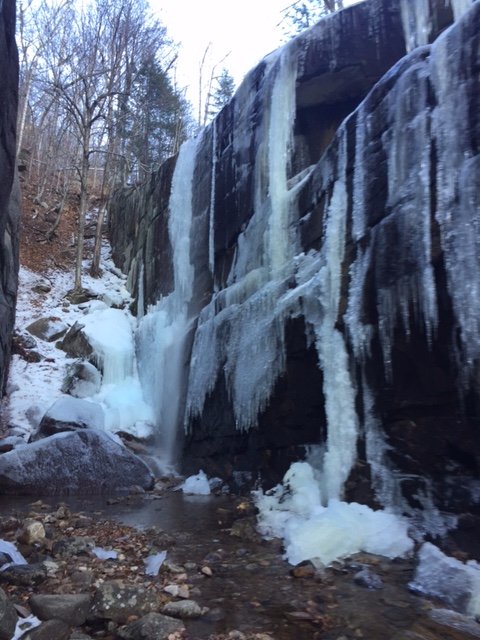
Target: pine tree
(221, 93)
(302, 14)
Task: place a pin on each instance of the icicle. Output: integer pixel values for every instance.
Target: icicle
(458, 203)
(416, 21)
(211, 225)
(358, 332)
(459, 7)
(282, 115)
(387, 490)
(141, 292)
(359, 176)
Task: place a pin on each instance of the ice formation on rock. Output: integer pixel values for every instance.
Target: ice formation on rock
(110, 332)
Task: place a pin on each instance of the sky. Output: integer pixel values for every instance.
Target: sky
(244, 31)
(240, 33)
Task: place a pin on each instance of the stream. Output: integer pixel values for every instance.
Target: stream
(251, 589)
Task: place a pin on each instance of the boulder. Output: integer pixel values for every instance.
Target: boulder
(48, 329)
(79, 297)
(8, 617)
(118, 601)
(82, 379)
(70, 414)
(153, 625)
(75, 343)
(82, 462)
(70, 608)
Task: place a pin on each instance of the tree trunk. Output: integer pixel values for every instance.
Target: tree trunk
(83, 207)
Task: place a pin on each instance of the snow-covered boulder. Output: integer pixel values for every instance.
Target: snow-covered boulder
(82, 379)
(453, 582)
(75, 343)
(80, 462)
(48, 329)
(69, 414)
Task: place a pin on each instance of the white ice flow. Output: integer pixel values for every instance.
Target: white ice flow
(110, 332)
(294, 511)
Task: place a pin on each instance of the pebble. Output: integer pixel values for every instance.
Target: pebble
(369, 579)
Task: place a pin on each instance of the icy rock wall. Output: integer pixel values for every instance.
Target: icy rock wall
(9, 190)
(332, 244)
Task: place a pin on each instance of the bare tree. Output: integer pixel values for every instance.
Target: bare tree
(91, 72)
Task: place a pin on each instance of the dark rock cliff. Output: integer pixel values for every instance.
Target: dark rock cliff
(9, 190)
(334, 244)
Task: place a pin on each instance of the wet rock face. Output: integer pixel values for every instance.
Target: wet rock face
(9, 191)
(384, 169)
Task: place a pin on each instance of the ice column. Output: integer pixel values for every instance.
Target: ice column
(339, 392)
(458, 203)
(163, 330)
(416, 21)
(459, 7)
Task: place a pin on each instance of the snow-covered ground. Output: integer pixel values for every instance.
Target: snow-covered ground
(34, 386)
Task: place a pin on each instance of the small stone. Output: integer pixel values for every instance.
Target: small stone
(207, 571)
(32, 532)
(74, 546)
(52, 629)
(369, 579)
(51, 567)
(303, 570)
(153, 625)
(184, 609)
(172, 567)
(184, 592)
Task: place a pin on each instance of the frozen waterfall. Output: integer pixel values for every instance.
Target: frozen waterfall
(163, 330)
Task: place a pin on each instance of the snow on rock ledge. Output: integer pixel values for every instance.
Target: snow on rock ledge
(81, 462)
(69, 414)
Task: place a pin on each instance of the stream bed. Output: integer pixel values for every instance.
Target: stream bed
(248, 587)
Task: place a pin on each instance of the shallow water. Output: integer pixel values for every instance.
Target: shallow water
(251, 588)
